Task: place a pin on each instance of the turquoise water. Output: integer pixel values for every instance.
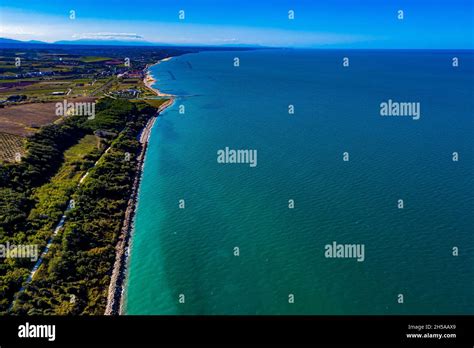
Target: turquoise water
(407, 251)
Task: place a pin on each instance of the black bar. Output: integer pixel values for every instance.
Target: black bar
(141, 330)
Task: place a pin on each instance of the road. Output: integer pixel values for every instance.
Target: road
(59, 226)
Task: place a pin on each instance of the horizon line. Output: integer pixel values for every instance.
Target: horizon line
(150, 44)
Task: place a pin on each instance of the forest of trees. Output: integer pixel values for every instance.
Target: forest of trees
(75, 274)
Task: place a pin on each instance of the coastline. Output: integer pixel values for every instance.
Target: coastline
(116, 292)
(149, 80)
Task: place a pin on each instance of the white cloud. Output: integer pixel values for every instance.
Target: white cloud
(108, 36)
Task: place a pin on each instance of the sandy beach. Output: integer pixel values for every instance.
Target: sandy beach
(149, 80)
(117, 282)
(116, 291)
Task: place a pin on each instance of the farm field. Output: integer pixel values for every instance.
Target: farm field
(30, 90)
(42, 90)
(10, 146)
(25, 119)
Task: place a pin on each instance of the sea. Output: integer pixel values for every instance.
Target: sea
(359, 198)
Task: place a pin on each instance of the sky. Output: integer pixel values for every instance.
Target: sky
(316, 23)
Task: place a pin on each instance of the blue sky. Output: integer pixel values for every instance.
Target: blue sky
(317, 23)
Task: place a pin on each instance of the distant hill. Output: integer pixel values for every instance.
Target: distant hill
(36, 42)
(106, 43)
(242, 45)
(6, 40)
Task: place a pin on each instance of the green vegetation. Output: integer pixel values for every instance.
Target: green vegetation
(56, 154)
(90, 59)
(156, 103)
(35, 192)
(17, 182)
(51, 198)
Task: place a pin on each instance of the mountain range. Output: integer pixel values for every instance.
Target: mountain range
(7, 41)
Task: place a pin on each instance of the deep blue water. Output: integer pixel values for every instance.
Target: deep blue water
(408, 251)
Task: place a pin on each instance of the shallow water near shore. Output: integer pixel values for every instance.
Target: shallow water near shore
(300, 157)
